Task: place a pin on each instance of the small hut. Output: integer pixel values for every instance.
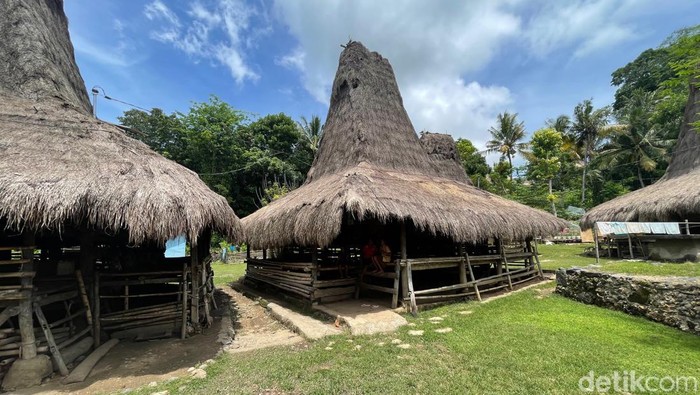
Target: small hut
(86, 212)
(372, 178)
(675, 198)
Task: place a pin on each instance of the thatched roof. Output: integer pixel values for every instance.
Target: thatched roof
(36, 55)
(370, 162)
(442, 150)
(676, 196)
(61, 166)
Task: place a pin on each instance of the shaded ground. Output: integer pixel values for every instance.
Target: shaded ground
(135, 364)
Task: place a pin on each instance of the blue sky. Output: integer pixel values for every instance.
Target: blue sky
(458, 63)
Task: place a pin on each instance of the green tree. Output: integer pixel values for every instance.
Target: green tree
(312, 131)
(635, 142)
(589, 126)
(473, 162)
(161, 132)
(506, 137)
(544, 159)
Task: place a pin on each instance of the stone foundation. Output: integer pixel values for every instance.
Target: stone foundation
(673, 301)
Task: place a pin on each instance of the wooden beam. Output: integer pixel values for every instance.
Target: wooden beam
(595, 240)
(55, 352)
(183, 328)
(96, 305)
(26, 323)
(194, 311)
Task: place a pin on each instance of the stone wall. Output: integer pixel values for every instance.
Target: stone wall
(673, 301)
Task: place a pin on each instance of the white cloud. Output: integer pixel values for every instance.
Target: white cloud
(157, 10)
(587, 26)
(293, 60)
(430, 45)
(435, 47)
(219, 33)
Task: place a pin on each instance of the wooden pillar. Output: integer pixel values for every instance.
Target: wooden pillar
(597, 247)
(499, 265)
(264, 253)
(185, 300)
(26, 322)
(314, 272)
(462, 267)
(195, 269)
(404, 269)
(247, 251)
(88, 254)
(629, 239)
(96, 306)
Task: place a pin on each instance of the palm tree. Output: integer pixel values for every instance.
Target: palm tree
(635, 141)
(312, 131)
(506, 137)
(589, 126)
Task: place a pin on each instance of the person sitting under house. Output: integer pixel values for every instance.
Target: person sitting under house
(370, 258)
(385, 252)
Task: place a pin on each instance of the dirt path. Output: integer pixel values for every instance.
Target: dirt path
(134, 364)
(255, 328)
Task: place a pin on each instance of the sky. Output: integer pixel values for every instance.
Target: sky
(458, 63)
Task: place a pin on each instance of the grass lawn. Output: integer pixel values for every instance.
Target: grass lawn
(225, 273)
(530, 342)
(569, 255)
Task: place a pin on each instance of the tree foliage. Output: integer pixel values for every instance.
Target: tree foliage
(239, 158)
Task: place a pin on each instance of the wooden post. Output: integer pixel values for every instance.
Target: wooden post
(462, 267)
(471, 273)
(395, 295)
(595, 240)
(403, 240)
(26, 323)
(55, 352)
(96, 303)
(183, 328)
(629, 239)
(404, 269)
(194, 311)
(264, 253)
(499, 265)
(86, 262)
(126, 297)
(247, 251)
(83, 296)
(314, 271)
(411, 294)
(687, 227)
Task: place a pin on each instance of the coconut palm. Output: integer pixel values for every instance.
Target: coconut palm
(312, 131)
(589, 127)
(506, 137)
(635, 141)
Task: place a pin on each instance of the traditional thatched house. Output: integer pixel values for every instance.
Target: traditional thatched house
(372, 178)
(77, 194)
(674, 198)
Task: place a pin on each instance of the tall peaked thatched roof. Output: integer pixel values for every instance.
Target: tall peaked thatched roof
(36, 55)
(442, 151)
(370, 162)
(676, 196)
(60, 166)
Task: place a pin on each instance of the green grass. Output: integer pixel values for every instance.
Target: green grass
(225, 273)
(529, 342)
(569, 255)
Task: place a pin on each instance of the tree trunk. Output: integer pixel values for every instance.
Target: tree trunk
(510, 163)
(583, 179)
(554, 206)
(639, 175)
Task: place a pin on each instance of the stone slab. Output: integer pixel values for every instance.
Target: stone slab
(304, 325)
(364, 317)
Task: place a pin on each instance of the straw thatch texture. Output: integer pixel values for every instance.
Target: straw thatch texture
(61, 166)
(442, 150)
(371, 163)
(676, 196)
(36, 55)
